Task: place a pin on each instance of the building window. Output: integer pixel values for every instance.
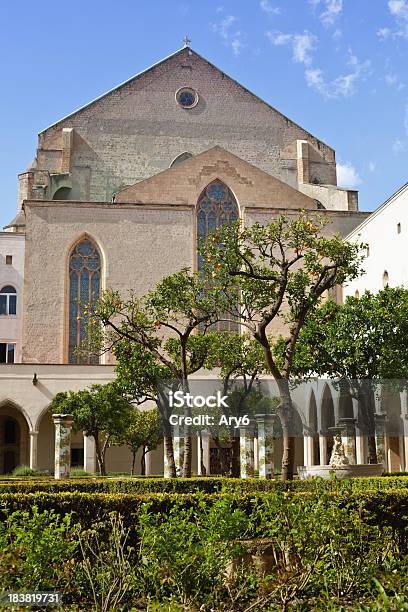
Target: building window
(84, 291)
(187, 97)
(398, 228)
(385, 279)
(216, 206)
(9, 260)
(7, 352)
(8, 301)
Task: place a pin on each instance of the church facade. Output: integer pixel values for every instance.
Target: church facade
(116, 197)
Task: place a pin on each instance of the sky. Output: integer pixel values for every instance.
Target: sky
(336, 67)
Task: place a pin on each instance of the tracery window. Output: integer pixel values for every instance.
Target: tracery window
(84, 291)
(216, 206)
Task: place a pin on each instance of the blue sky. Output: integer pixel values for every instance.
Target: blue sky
(336, 67)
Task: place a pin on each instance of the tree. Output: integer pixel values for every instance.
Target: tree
(100, 412)
(168, 328)
(240, 360)
(278, 271)
(143, 431)
(360, 342)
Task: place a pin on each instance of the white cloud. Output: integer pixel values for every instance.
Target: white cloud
(399, 11)
(399, 146)
(393, 80)
(342, 86)
(271, 10)
(303, 45)
(332, 9)
(399, 8)
(371, 166)
(347, 176)
(383, 33)
(235, 39)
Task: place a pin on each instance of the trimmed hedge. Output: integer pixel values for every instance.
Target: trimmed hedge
(208, 485)
(387, 507)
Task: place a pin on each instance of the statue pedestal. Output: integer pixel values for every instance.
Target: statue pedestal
(340, 472)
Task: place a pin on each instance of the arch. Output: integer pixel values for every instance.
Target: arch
(14, 437)
(313, 429)
(180, 158)
(63, 193)
(327, 420)
(216, 206)
(84, 287)
(385, 279)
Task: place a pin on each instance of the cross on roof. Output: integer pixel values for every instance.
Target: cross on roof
(186, 41)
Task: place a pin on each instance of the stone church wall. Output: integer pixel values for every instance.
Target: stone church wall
(138, 246)
(138, 129)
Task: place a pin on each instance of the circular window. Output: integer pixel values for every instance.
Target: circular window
(187, 97)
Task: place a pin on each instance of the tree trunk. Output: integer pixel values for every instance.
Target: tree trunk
(100, 456)
(132, 471)
(235, 457)
(168, 449)
(188, 447)
(286, 414)
(143, 461)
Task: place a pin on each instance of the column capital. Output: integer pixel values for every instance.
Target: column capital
(63, 419)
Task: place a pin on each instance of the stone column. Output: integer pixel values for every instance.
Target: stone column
(89, 454)
(247, 451)
(203, 460)
(360, 447)
(178, 449)
(348, 437)
(308, 449)
(323, 447)
(63, 426)
(33, 449)
(265, 424)
(380, 439)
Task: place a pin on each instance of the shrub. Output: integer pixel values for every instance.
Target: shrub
(37, 551)
(24, 470)
(78, 473)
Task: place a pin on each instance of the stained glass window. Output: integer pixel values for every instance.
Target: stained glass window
(84, 290)
(216, 206)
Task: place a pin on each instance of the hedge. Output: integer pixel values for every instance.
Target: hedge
(208, 485)
(387, 507)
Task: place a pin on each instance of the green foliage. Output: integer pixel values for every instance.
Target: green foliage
(77, 473)
(101, 412)
(278, 271)
(143, 431)
(37, 551)
(360, 339)
(25, 470)
(324, 550)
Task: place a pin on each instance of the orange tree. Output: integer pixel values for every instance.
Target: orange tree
(278, 271)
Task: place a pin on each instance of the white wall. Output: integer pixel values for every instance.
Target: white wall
(11, 326)
(388, 249)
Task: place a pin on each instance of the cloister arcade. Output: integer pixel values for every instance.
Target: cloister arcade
(27, 436)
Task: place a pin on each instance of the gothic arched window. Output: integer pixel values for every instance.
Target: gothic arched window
(84, 291)
(216, 206)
